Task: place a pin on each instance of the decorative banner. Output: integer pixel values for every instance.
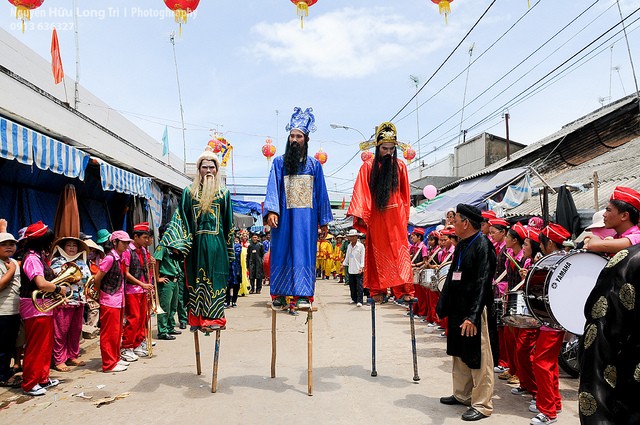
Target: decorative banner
(24, 8)
(430, 191)
(302, 8)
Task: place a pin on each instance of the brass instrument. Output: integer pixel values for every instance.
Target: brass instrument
(90, 290)
(46, 301)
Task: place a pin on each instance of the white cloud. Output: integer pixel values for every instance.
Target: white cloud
(347, 43)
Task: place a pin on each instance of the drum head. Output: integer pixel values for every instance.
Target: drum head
(443, 271)
(571, 282)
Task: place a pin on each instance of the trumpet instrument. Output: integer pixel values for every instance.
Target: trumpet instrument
(46, 301)
(90, 289)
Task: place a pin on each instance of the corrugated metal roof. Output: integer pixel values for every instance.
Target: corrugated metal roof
(577, 142)
(618, 167)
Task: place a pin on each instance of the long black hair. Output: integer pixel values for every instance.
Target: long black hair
(40, 244)
(384, 178)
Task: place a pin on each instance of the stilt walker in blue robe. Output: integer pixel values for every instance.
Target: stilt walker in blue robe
(297, 203)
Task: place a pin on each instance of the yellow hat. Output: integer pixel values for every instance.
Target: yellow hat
(386, 133)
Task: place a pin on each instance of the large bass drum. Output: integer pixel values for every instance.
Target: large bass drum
(558, 285)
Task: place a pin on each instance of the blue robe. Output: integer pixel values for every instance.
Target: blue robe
(302, 204)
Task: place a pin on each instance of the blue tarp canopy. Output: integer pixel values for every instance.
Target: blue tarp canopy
(473, 192)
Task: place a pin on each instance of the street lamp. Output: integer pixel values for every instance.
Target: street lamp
(346, 127)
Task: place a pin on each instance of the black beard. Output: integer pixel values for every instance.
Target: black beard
(384, 180)
(292, 156)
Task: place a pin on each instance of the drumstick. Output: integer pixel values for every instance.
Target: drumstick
(433, 256)
(374, 372)
(518, 286)
(515, 263)
(502, 275)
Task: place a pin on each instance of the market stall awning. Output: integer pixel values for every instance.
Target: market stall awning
(473, 192)
(119, 180)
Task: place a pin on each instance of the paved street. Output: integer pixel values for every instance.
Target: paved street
(166, 390)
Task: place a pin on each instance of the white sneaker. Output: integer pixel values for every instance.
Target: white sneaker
(118, 368)
(499, 369)
(50, 383)
(123, 363)
(359, 305)
(141, 351)
(128, 355)
(352, 302)
(36, 390)
(541, 418)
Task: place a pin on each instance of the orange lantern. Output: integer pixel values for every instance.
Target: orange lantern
(268, 150)
(302, 7)
(182, 8)
(444, 8)
(24, 8)
(409, 153)
(366, 155)
(321, 157)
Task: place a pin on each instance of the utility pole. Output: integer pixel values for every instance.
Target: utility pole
(416, 81)
(172, 39)
(464, 96)
(506, 121)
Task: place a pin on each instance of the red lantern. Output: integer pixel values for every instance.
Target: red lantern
(409, 153)
(302, 7)
(268, 150)
(321, 156)
(216, 144)
(444, 7)
(366, 155)
(181, 9)
(24, 8)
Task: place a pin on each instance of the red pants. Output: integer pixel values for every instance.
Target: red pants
(38, 349)
(110, 336)
(525, 343)
(433, 297)
(509, 355)
(504, 349)
(67, 330)
(545, 369)
(403, 289)
(420, 308)
(135, 311)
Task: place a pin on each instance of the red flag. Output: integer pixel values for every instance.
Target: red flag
(56, 60)
(342, 207)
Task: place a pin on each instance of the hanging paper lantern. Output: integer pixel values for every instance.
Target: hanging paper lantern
(321, 156)
(409, 154)
(366, 155)
(268, 150)
(24, 8)
(181, 9)
(444, 7)
(302, 7)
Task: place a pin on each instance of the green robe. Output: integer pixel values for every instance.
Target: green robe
(211, 251)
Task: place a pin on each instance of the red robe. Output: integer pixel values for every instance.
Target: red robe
(387, 260)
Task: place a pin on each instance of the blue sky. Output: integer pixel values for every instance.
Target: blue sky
(240, 62)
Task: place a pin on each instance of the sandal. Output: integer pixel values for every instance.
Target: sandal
(62, 367)
(15, 383)
(75, 362)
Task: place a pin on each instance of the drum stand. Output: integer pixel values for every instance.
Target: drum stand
(216, 354)
(309, 345)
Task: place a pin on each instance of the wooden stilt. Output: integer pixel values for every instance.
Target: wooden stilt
(216, 354)
(273, 343)
(197, 344)
(310, 352)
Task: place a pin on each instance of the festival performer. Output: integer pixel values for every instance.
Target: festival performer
(324, 256)
(338, 258)
(622, 215)
(609, 354)
(109, 283)
(9, 306)
(68, 318)
(484, 226)
(418, 252)
(255, 256)
(92, 307)
(547, 401)
(297, 203)
(37, 275)
(168, 261)
(465, 298)
(205, 217)
(498, 228)
(431, 262)
(380, 208)
(234, 279)
(245, 285)
(137, 283)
